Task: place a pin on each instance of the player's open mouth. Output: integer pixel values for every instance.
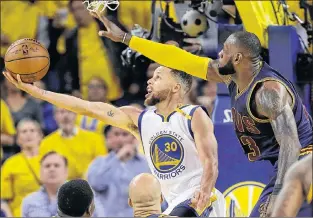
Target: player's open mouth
(149, 91)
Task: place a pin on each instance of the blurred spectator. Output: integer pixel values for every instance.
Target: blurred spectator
(49, 122)
(88, 55)
(79, 146)
(20, 105)
(12, 24)
(110, 176)
(191, 97)
(208, 95)
(20, 173)
(7, 125)
(97, 91)
(53, 174)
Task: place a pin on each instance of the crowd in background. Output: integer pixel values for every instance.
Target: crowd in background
(43, 146)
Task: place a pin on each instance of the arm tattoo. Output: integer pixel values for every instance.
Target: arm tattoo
(272, 103)
(110, 113)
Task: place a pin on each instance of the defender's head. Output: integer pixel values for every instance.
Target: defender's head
(145, 192)
(166, 83)
(240, 48)
(75, 199)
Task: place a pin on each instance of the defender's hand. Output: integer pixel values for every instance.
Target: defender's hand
(26, 87)
(112, 31)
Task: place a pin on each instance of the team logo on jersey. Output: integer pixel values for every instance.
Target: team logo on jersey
(242, 197)
(167, 154)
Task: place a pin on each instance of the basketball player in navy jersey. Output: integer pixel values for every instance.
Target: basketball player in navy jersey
(270, 120)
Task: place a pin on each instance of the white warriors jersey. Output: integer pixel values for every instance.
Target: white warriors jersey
(171, 151)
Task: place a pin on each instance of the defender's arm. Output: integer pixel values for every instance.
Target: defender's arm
(274, 102)
(295, 189)
(167, 55)
(176, 58)
(206, 143)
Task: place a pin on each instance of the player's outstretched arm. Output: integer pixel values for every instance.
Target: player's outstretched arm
(124, 117)
(166, 55)
(295, 189)
(274, 102)
(203, 131)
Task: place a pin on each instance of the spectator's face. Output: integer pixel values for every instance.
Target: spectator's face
(10, 88)
(53, 170)
(81, 14)
(117, 137)
(65, 119)
(210, 89)
(96, 90)
(28, 135)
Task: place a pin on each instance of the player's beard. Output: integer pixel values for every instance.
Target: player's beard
(227, 69)
(157, 98)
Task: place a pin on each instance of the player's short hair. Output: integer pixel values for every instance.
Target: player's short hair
(75, 198)
(51, 153)
(249, 42)
(184, 78)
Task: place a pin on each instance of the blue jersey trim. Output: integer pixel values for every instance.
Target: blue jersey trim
(191, 115)
(139, 124)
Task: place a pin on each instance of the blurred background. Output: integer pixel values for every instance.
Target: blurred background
(93, 68)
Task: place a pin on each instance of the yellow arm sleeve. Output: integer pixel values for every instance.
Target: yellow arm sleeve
(171, 56)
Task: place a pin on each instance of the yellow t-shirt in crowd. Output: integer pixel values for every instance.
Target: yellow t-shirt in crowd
(18, 180)
(95, 62)
(7, 124)
(80, 149)
(91, 124)
(13, 24)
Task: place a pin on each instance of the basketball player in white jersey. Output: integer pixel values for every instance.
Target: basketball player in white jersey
(178, 140)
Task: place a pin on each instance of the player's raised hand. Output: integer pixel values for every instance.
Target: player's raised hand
(26, 87)
(112, 31)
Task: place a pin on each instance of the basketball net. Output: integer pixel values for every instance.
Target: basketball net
(101, 5)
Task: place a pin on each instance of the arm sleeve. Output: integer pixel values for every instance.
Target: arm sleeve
(171, 56)
(6, 181)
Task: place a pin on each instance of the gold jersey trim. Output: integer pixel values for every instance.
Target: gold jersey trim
(251, 91)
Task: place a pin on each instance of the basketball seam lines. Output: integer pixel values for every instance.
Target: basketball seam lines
(27, 58)
(28, 73)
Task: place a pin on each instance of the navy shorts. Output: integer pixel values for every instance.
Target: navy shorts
(261, 206)
(185, 209)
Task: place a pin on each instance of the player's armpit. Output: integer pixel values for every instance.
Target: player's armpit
(206, 143)
(123, 117)
(273, 101)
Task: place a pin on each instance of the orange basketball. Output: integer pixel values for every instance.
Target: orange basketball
(28, 58)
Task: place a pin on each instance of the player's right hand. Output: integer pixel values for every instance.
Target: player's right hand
(112, 31)
(26, 87)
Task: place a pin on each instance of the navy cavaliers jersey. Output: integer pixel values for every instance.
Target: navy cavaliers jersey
(256, 134)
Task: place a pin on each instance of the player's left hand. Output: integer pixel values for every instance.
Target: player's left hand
(201, 200)
(26, 87)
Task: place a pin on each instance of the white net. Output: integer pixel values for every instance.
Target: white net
(100, 5)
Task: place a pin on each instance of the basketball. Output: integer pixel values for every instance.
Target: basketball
(28, 58)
